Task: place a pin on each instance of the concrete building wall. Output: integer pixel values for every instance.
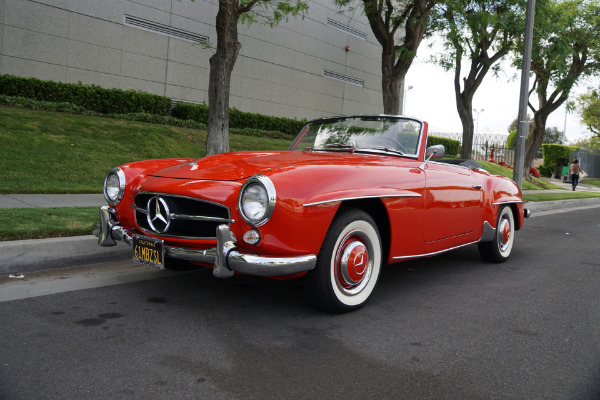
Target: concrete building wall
(280, 71)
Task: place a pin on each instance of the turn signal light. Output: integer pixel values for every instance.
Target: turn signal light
(252, 237)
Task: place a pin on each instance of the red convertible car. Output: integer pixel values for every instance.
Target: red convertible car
(350, 195)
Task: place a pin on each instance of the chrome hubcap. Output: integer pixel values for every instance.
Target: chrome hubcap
(353, 266)
(505, 231)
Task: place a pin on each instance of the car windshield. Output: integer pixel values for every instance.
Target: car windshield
(373, 134)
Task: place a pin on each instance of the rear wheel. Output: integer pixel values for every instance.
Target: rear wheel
(348, 264)
(499, 249)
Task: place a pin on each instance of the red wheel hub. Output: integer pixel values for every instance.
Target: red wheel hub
(353, 262)
(505, 232)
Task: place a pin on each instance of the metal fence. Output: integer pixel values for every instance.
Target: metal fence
(485, 146)
(493, 146)
(497, 152)
(590, 163)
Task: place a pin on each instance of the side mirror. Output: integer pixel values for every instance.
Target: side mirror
(437, 151)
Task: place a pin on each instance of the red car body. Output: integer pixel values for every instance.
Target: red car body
(418, 208)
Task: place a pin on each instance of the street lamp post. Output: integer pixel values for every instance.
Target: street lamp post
(404, 99)
(480, 111)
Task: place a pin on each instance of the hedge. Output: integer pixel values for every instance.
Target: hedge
(555, 157)
(91, 97)
(452, 146)
(240, 119)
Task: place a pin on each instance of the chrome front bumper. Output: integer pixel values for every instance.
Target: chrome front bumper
(225, 257)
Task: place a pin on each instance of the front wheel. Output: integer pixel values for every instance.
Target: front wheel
(498, 250)
(348, 264)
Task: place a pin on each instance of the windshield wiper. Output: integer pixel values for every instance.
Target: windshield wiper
(383, 148)
(340, 146)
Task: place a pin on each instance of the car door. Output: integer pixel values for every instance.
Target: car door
(453, 211)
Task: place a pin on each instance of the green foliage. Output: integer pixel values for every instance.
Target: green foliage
(43, 105)
(452, 146)
(511, 140)
(241, 120)
(476, 29)
(591, 145)
(555, 157)
(38, 223)
(566, 40)
(90, 97)
(49, 152)
(270, 12)
(588, 106)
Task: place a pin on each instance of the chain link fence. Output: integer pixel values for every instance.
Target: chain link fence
(589, 162)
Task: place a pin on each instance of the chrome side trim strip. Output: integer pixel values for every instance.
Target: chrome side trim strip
(434, 253)
(360, 197)
(507, 202)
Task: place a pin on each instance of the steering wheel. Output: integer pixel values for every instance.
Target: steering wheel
(396, 144)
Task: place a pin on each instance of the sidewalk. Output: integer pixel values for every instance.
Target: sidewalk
(51, 200)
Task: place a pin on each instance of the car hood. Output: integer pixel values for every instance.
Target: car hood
(241, 165)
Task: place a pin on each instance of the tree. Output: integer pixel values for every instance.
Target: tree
(588, 106)
(387, 19)
(481, 32)
(566, 48)
(551, 136)
(230, 14)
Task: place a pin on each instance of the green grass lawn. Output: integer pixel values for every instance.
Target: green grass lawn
(47, 152)
(37, 223)
(591, 181)
(496, 169)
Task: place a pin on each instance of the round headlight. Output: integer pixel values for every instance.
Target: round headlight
(114, 186)
(257, 200)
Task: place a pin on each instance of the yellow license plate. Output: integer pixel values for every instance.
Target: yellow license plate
(148, 251)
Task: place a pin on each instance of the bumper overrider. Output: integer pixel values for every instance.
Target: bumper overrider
(225, 256)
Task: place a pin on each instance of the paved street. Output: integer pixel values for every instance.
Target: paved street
(448, 327)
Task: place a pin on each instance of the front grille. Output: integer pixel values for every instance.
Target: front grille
(189, 217)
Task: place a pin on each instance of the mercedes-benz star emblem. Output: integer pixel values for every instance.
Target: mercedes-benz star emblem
(158, 214)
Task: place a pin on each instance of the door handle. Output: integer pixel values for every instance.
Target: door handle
(478, 187)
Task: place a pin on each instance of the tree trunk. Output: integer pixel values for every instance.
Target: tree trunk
(535, 140)
(390, 85)
(465, 113)
(221, 67)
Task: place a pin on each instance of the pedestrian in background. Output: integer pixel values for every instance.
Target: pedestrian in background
(575, 170)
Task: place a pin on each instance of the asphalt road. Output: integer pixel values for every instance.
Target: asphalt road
(448, 327)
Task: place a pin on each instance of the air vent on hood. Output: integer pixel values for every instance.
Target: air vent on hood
(155, 27)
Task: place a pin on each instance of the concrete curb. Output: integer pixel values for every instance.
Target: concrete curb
(561, 204)
(26, 256)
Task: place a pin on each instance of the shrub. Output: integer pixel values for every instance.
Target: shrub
(43, 105)
(240, 119)
(555, 157)
(91, 97)
(452, 146)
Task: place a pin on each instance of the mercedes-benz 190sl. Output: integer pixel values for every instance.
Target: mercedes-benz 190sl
(351, 195)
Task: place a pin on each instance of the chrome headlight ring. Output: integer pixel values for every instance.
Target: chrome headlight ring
(256, 200)
(114, 186)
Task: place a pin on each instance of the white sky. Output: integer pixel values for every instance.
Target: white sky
(432, 99)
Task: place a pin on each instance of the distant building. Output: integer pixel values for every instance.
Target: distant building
(324, 64)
